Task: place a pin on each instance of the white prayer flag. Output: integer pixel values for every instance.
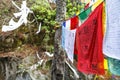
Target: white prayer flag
(69, 43)
(23, 14)
(68, 39)
(111, 43)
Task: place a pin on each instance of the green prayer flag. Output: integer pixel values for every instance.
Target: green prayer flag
(114, 66)
(83, 15)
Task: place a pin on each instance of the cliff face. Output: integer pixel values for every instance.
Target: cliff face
(20, 49)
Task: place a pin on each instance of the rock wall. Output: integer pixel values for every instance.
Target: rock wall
(8, 68)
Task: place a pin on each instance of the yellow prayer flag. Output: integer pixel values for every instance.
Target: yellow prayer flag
(77, 13)
(105, 64)
(103, 13)
(104, 19)
(96, 4)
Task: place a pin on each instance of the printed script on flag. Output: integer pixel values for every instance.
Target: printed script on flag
(111, 43)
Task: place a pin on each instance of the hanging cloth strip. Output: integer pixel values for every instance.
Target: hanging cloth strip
(82, 17)
(104, 18)
(86, 6)
(114, 66)
(96, 3)
(74, 22)
(23, 14)
(68, 35)
(70, 24)
(65, 25)
(89, 43)
(69, 43)
(111, 43)
(104, 23)
(105, 64)
(84, 14)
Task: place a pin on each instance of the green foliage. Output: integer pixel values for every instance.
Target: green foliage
(73, 7)
(46, 16)
(4, 11)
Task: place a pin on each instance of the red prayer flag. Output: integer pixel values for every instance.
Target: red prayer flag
(74, 25)
(74, 22)
(89, 44)
(87, 6)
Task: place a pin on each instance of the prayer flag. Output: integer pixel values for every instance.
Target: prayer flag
(104, 18)
(69, 43)
(111, 42)
(68, 35)
(97, 3)
(105, 64)
(83, 15)
(114, 66)
(74, 22)
(89, 38)
(23, 14)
